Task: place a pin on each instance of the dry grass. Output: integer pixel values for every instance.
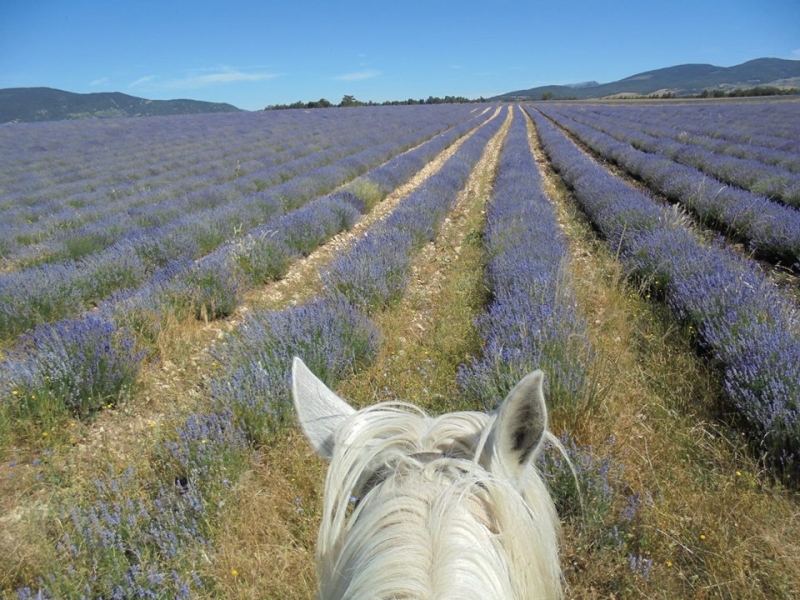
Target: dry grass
(266, 546)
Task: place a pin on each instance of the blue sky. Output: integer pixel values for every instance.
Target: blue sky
(252, 54)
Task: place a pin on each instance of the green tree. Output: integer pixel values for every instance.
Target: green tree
(349, 100)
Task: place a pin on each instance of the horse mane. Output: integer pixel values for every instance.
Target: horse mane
(436, 515)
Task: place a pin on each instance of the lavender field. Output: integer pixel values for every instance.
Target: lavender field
(158, 274)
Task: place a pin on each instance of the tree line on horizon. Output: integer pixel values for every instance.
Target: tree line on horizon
(349, 100)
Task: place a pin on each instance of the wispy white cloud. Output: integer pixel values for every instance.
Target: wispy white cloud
(100, 81)
(358, 75)
(221, 77)
(796, 53)
(142, 81)
(200, 78)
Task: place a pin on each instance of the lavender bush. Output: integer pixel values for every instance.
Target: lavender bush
(328, 334)
(214, 287)
(73, 367)
(374, 273)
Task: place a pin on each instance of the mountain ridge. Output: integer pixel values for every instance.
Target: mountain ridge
(678, 80)
(50, 104)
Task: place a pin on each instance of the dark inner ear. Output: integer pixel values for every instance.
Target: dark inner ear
(524, 417)
(528, 428)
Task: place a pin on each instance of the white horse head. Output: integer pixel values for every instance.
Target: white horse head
(432, 507)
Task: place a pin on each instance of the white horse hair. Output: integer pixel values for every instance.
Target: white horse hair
(432, 507)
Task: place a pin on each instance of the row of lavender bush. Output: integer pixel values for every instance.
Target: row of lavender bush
(55, 368)
(121, 544)
(373, 273)
(41, 383)
(748, 328)
(770, 229)
(184, 160)
(531, 321)
(78, 366)
(750, 173)
(739, 125)
(50, 292)
(714, 128)
(213, 286)
(140, 188)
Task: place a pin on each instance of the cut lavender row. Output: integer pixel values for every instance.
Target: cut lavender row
(771, 230)
(747, 327)
(531, 321)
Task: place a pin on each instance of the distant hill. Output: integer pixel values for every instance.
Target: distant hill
(47, 104)
(681, 80)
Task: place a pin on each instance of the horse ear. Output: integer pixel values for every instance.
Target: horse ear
(319, 410)
(521, 424)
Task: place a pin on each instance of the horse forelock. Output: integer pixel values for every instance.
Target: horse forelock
(430, 520)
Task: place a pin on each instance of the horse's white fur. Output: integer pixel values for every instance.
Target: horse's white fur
(450, 506)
